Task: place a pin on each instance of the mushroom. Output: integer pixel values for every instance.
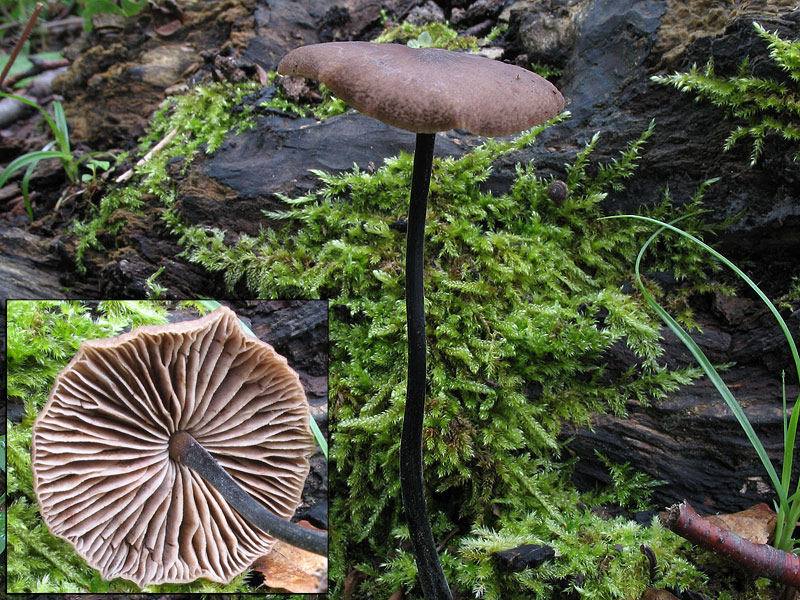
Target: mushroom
(424, 91)
(161, 454)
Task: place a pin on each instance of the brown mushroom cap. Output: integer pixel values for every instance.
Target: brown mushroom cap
(102, 470)
(426, 90)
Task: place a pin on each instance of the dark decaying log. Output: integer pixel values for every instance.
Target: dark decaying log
(690, 439)
(760, 560)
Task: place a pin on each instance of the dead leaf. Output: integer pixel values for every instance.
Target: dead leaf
(168, 17)
(352, 581)
(294, 570)
(756, 524)
(263, 76)
(168, 28)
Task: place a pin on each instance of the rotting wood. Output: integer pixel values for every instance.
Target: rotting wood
(690, 439)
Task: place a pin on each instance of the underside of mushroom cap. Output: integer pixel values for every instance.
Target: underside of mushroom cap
(426, 90)
(101, 461)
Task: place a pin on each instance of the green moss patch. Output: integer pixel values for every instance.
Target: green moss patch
(523, 298)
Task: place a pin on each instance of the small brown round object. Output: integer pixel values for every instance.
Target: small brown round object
(426, 90)
(558, 191)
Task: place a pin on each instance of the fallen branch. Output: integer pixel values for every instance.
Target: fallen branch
(759, 559)
(22, 38)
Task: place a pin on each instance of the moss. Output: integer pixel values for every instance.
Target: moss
(200, 120)
(438, 35)
(596, 556)
(761, 106)
(523, 299)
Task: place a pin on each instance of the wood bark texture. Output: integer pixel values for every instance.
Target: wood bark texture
(759, 559)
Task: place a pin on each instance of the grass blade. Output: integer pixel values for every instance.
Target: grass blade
(788, 512)
(62, 129)
(25, 160)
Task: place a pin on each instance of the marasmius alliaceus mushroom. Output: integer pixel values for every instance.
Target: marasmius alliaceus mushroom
(175, 452)
(425, 91)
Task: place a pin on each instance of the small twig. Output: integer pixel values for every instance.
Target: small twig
(480, 28)
(759, 559)
(39, 66)
(66, 23)
(48, 26)
(25, 34)
(127, 174)
(446, 539)
(67, 196)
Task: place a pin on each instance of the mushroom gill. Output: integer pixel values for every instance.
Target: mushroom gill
(101, 449)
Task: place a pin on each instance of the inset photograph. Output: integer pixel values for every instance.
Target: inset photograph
(167, 447)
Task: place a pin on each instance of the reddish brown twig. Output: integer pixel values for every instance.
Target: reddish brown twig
(759, 559)
(25, 34)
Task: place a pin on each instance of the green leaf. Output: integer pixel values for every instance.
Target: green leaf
(23, 63)
(62, 130)
(423, 41)
(3, 526)
(131, 7)
(27, 159)
(323, 443)
(95, 7)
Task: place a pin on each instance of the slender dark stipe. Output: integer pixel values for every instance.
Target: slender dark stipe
(431, 577)
(184, 448)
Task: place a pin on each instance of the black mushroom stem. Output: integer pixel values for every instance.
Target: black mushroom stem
(185, 449)
(431, 577)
